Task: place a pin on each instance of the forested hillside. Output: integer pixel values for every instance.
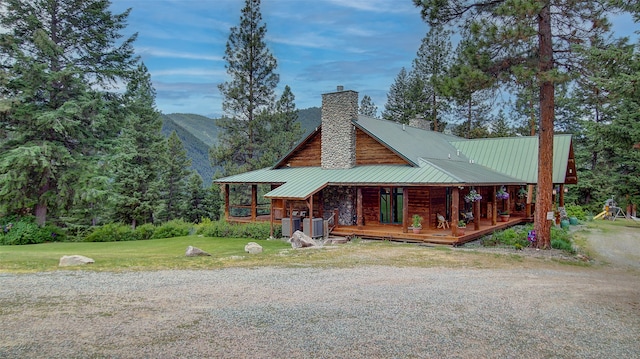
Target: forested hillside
(186, 128)
(198, 133)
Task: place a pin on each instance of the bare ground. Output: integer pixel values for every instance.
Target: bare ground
(534, 309)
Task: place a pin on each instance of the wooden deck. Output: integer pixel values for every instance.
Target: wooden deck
(431, 235)
(427, 235)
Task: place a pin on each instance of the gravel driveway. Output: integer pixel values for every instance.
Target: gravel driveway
(545, 311)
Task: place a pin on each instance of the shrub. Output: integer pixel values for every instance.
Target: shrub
(144, 231)
(26, 231)
(221, 228)
(111, 232)
(173, 228)
(576, 211)
(514, 236)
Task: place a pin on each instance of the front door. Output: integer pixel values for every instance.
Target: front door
(391, 205)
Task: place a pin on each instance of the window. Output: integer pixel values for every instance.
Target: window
(391, 205)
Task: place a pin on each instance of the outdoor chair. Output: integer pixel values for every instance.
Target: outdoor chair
(442, 222)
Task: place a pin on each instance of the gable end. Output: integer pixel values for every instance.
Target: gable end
(371, 152)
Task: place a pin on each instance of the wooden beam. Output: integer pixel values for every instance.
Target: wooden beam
(476, 215)
(271, 219)
(561, 195)
(310, 204)
(254, 201)
(455, 213)
(405, 211)
(225, 189)
(359, 211)
(494, 210)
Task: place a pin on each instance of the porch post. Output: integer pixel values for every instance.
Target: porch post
(254, 202)
(494, 209)
(455, 215)
(405, 210)
(476, 215)
(528, 209)
(561, 195)
(310, 205)
(225, 189)
(271, 215)
(359, 214)
(290, 218)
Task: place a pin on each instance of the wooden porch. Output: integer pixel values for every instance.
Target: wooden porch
(427, 235)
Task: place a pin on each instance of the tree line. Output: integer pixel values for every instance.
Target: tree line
(76, 152)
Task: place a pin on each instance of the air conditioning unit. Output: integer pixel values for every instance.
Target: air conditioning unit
(318, 227)
(287, 228)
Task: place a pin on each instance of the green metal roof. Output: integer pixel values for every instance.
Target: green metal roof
(517, 156)
(435, 159)
(302, 182)
(409, 142)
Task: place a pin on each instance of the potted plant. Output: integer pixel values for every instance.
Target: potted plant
(416, 223)
(504, 216)
(462, 225)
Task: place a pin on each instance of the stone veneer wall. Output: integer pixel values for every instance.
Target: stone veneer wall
(421, 123)
(341, 198)
(338, 135)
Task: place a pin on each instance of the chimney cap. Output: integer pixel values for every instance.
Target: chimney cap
(340, 88)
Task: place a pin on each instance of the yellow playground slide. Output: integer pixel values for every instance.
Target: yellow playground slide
(600, 215)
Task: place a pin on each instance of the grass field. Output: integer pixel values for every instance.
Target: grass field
(169, 253)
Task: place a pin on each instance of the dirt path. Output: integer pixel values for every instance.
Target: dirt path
(621, 250)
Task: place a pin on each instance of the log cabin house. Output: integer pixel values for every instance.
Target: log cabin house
(360, 176)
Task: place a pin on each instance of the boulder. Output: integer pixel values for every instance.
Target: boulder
(195, 252)
(301, 240)
(75, 260)
(253, 248)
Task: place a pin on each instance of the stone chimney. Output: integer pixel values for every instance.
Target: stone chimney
(420, 122)
(338, 134)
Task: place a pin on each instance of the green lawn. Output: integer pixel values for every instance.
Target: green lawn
(153, 254)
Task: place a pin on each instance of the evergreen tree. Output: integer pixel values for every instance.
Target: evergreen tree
(175, 177)
(470, 88)
(140, 155)
(500, 127)
(404, 98)
(199, 200)
(606, 161)
(55, 55)
(247, 96)
(280, 130)
(535, 35)
(431, 65)
(367, 107)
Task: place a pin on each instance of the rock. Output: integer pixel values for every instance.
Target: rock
(301, 240)
(253, 248)
(195, 252)
(75, 260)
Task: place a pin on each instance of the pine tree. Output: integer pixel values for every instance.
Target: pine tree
(521, 35)
(54, 57)
(175, 176)
(404, 98)
(140, 155)
(280, 130)
(248, 94)
(367, 107)
(470, 88)
(431, 65)
(199, 200)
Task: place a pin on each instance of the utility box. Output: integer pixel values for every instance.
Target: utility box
(288, 228)
(318, 227)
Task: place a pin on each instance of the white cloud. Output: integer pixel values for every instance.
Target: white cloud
(150, 51)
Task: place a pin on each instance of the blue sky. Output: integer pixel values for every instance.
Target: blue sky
(319, 44)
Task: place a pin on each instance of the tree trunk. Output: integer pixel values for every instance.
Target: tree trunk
(545, 143)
